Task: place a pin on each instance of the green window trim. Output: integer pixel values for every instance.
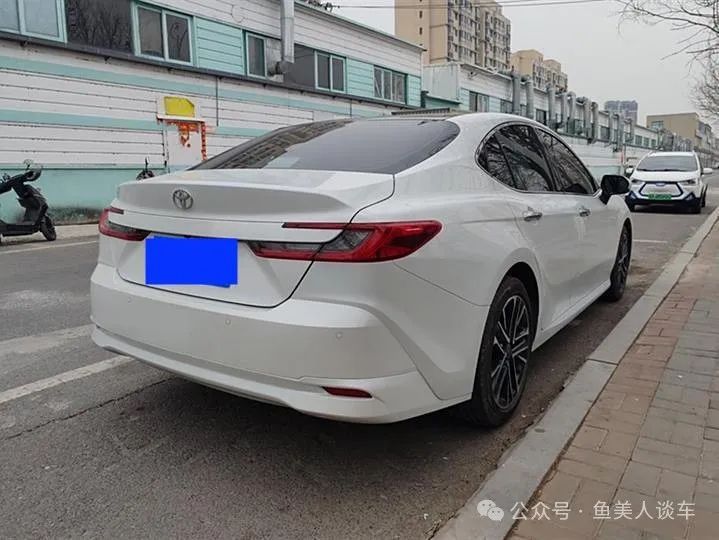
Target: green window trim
(330, 61)
(164, 13)
(248, 64)
(22, 23)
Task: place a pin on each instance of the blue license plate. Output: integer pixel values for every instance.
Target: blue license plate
(191, 261)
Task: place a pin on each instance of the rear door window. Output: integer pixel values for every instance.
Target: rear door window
(491, 159)
(569, 173)
(373, 146)
(524, 156)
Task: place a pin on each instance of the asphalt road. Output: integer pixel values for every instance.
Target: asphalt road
(133, 452)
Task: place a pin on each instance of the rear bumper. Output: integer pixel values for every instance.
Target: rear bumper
(282, 355)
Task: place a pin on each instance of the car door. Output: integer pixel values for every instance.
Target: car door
(547, 221)
(596, 221)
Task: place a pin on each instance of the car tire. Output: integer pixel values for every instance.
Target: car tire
(704, 199)
(494, 396)
(620, 270)
(696, 206)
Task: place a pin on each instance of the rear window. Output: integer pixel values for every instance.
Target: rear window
(668, 163)
(372, 146)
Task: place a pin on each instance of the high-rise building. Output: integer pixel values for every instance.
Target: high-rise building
(456, 31)
(630, 109)
(545, 72)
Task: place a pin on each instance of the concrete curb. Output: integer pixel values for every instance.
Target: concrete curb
(523, 467)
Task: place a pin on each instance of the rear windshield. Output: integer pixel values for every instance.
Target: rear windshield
(372, 146)
(668, 163)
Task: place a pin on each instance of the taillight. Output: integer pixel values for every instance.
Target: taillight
(356, 242)
(108, 228)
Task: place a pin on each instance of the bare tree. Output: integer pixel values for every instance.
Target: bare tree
(698, 22)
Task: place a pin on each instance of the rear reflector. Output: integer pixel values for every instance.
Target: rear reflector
(108, 228)
(347, 392)
(356, 242)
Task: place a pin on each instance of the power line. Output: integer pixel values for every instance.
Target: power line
(505, 3)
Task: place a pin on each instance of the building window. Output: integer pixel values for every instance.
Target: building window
(540, 116)
(604, 133)
(658, 124)
(505, 106)
(420, 13)
(389, 85)
(163, 34)
(105, 24)
(420, 30)
(41, 18)
(478, 102)
(330, 72)
(256, 64)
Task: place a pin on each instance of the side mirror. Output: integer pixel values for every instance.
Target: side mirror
(707, 170)
(628, 171)
(613, 184)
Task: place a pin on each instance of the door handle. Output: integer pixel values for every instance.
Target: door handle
(584, 211)
(531, 215)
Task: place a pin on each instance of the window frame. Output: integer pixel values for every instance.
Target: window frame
(137, 49)
(392, 74)
(251, 35)
(330, 72)
(22, 31)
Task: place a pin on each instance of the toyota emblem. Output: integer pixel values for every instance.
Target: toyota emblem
(182, 199)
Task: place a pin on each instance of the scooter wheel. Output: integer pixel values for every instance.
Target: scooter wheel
(47, 228)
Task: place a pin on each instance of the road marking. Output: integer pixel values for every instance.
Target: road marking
(62, 378)
(42, 342)
(652, 241)
(40, 248)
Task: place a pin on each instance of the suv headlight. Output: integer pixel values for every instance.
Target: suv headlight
(690, 182)
(636, 181)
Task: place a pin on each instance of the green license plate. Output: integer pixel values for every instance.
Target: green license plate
(660, 196)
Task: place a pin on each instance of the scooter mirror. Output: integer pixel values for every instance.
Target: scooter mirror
(28, 163)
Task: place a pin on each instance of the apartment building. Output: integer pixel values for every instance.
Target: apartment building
(545, 72)
(456, 31)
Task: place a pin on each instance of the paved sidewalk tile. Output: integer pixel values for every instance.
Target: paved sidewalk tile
(645, 462)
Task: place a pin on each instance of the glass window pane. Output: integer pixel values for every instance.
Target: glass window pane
(256, 56)
(41, 17)
(8, 15)
(525, 158)
(323, 71)
(302, 72)
(398, 87)
(342, 145)
(338, 74)
(150, 29)
(105, 24)
(570, 174)
(377, 82)
(386, 84)
(178, 38)
(492, 160)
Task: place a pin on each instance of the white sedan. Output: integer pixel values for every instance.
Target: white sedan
(367, 271)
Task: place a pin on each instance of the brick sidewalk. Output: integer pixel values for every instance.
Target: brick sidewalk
(652, 436)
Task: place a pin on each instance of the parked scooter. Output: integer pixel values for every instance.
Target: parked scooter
(36, 217)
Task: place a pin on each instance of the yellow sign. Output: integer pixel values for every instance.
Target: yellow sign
(179, 106)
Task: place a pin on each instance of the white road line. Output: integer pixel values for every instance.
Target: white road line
(42, 342)
(652, 241)
(51, 246)
(72, 375)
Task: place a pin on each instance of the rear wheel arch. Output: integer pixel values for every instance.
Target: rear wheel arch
(524, 273)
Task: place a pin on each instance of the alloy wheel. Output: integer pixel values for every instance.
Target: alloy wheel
(623, 258)
(510, 352)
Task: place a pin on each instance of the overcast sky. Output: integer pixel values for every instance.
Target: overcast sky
(603, 59)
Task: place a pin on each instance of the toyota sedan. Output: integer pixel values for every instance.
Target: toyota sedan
(363, 270)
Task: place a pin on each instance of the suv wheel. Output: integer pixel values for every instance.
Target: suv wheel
(504, 356)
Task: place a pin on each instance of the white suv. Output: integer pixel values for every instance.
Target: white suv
(673, 178)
